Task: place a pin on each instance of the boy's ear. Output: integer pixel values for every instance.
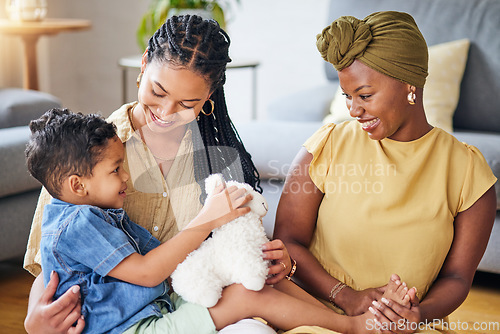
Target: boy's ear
(76, 185)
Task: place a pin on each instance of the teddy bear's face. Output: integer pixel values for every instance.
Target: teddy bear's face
(258, 204)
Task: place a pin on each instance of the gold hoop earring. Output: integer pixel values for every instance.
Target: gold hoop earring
(411, 98)
(211, 111)
(139, 77)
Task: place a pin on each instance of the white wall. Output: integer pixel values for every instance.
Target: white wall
(281, 34)
(81, 67)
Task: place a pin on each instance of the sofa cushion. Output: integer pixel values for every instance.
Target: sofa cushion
(19, 106)
(14, 178)
(489, 262)
(442, 88)
(300, 107)
(274, 144)
(489, 145)
(338, 109)
(17, 213)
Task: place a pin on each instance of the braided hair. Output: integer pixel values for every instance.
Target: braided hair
(189, 41)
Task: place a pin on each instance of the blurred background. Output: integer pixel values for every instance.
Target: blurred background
(81, 68)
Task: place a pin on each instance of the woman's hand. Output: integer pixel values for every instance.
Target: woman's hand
(357, 302)
(276, 252)
(403, 319)
(48, 316)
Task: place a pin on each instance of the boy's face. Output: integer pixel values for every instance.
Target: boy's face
(107, 184)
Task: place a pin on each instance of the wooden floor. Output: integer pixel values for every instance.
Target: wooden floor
(481, 309)
(15, 284)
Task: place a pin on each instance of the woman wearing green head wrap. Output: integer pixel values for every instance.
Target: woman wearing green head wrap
(387, 193)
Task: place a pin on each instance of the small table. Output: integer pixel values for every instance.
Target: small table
(135, 62)
(30, 32)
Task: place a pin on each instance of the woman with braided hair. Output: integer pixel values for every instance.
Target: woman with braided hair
(387, 192)
(175, 135)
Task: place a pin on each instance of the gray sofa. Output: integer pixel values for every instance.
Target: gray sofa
(18, 190)
(274, 142)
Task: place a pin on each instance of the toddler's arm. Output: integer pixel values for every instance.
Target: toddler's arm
(154, 267)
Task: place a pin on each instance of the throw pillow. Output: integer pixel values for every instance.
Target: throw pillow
(441, 91)
(338, 109)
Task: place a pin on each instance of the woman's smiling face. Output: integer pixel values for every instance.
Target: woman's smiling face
(378, 102)
(171, 96)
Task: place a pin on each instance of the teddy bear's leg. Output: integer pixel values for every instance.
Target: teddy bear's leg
(254, 276)
(206, 297)
(195, 279)
(184, 279)
(208, 292)
(252, 268)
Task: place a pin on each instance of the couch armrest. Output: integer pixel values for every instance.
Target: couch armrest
(14, 178)
(19, 106)
(310, 105)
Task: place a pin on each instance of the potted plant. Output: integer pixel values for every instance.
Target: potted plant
(160, 10)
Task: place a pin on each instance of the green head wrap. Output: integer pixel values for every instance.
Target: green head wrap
(388, 42)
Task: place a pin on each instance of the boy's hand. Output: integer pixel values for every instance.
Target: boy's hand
(222, 206)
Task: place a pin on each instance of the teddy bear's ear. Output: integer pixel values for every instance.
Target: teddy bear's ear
(212, 182)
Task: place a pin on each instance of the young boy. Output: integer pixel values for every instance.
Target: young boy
(120, 267)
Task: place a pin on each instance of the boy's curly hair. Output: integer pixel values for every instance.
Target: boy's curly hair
(64, 143)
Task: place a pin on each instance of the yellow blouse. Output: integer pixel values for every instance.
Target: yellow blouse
(389, 206)
(162, 205)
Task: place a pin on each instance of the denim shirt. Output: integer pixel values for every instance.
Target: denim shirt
(83, 243)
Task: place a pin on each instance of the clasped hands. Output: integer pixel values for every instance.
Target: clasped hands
(388, 316)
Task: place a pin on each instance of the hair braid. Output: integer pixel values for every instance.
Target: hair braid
(190, 42)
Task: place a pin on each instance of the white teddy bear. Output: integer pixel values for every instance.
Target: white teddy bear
(232, 255)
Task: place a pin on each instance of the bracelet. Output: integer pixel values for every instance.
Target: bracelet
(335, 290)
(292, 271)
(330, 298)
